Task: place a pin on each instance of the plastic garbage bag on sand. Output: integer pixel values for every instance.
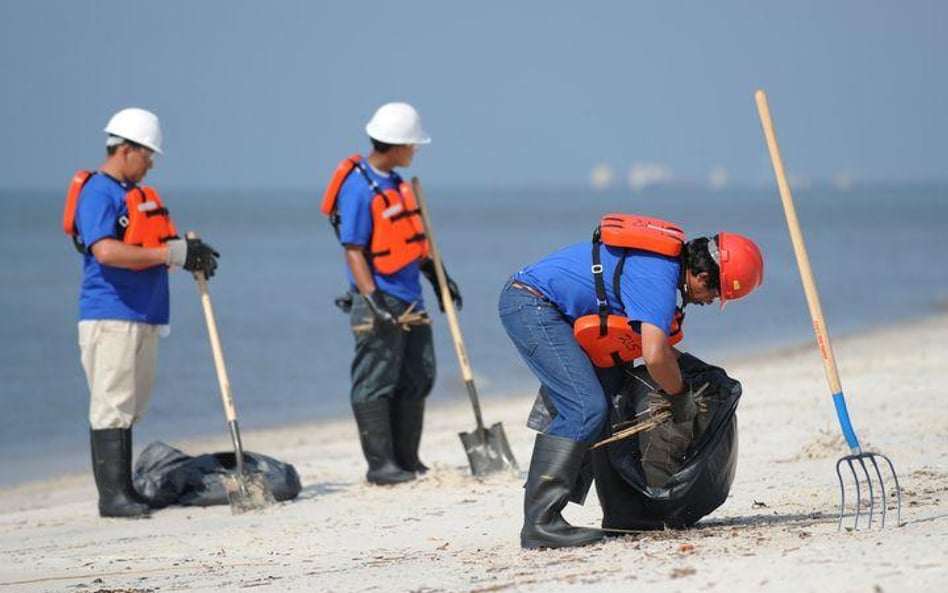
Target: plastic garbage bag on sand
(674, 474)
(164, 476)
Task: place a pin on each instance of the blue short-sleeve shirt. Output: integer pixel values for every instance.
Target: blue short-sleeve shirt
(648, 286)
(354, 205)
(108, 292)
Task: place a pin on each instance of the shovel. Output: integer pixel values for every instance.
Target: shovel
(245, 491)
(864, 486)
(487, 449)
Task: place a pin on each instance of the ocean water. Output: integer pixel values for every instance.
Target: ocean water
(875, 254)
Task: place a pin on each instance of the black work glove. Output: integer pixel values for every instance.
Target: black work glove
(194, 255)
(383, 319)
(683, 407)
(428, 269)
(344, 302)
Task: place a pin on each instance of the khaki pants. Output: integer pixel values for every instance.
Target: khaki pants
(120, 359)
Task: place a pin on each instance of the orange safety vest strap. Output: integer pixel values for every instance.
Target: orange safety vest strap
(339, 176)
(418, 224)
(72, 200)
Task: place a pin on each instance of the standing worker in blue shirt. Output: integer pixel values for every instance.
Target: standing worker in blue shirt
(542, 308)
(127, 242)
(379, 225)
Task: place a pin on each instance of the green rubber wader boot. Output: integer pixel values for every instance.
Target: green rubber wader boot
(375, 433)
(407, 420)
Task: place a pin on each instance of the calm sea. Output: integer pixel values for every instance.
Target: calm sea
(876, 254)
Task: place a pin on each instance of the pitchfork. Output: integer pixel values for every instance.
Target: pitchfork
(857, 456)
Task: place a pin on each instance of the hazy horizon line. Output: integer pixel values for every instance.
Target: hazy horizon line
(810, 184)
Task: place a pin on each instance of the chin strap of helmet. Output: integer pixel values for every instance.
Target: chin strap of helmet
(682, 288)
(683, 281)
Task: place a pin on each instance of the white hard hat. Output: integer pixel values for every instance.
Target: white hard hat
(397, 123)
(138, 125)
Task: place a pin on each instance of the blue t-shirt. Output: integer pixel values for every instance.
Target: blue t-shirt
(354, 205)
(108, 292)
(649, 283)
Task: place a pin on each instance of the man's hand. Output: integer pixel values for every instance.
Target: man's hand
(193, 255)
(382, 318)
(428, 269)
(682, 405)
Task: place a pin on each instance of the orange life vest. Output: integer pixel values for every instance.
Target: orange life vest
(148, 223)
(609, 339)
(398, 233)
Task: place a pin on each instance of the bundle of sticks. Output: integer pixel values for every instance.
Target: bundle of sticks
(405, 320)
(656, 414)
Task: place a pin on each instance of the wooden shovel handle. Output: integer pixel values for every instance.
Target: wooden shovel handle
(230, 409)
(449, 309)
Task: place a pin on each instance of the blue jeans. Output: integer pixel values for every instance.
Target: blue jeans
(544, 338)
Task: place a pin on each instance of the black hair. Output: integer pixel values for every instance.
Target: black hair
(382, 147)
(110, 150)
(697, 259)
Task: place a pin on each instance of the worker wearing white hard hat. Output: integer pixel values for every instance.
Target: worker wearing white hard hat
(128, 242)
(397, 124)
(378, 223)
(136, 125)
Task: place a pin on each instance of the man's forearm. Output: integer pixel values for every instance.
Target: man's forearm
(114, 253)
(359, 266)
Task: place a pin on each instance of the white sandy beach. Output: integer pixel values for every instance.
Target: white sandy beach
(451, 532)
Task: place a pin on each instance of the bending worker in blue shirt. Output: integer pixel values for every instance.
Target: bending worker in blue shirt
(127, 242)
(379, 225)
(578, 313)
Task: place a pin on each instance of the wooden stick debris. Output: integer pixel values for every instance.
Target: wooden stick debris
(652, 417)
(406, 320)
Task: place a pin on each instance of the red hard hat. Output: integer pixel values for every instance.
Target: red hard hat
(740, 263)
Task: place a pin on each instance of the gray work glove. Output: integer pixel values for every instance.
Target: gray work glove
(428, 269)
(383, 319)
(193, 255)
(682, 406)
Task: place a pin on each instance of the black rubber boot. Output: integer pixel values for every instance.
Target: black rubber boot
(127, 445)
(112, 468)
(407, 420)
(375, 433)
(553, 470)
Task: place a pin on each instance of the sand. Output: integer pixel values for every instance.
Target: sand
(450, 532)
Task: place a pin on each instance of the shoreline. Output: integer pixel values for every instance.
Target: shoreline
(777, 530)
(46, 456)
(219, 441)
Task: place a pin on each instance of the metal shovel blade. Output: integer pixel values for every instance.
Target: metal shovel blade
(248, 492)
(488, 450)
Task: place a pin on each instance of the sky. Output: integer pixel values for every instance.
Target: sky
(258, 95)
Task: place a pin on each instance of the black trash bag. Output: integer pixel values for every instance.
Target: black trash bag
(673, 475)
(165, 476)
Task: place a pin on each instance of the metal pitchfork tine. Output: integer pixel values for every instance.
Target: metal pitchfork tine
(860, 456)
(857, 455)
